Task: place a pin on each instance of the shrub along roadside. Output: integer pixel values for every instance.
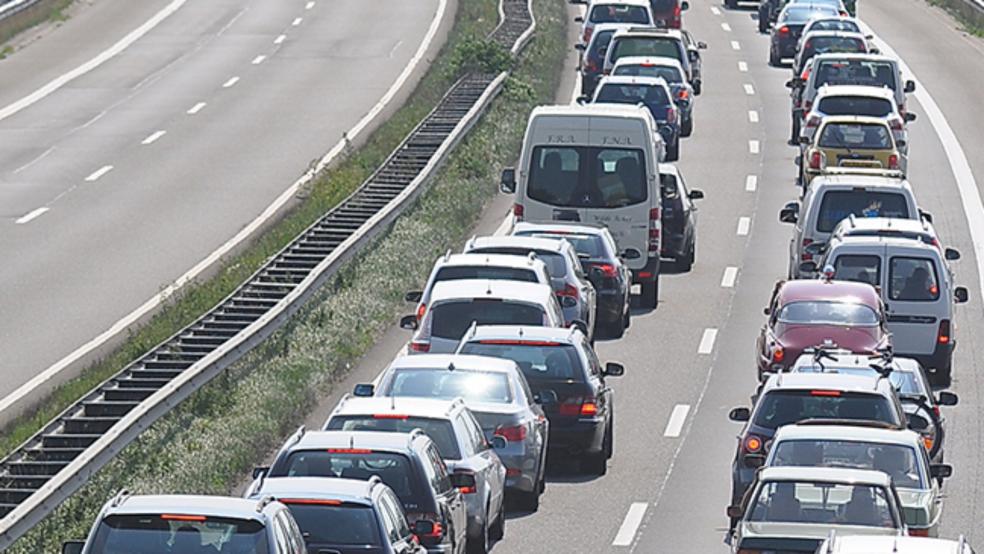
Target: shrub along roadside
(210, 442)
(475, 19)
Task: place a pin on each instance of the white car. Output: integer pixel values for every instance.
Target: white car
(635, 12)
(893, 545)
(858, 100)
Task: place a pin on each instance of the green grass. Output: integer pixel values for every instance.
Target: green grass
(55, 14)
(474, 20)
(973, 26)
(209, 443)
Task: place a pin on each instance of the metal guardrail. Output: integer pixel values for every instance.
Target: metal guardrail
(54, 463)
(10, 7)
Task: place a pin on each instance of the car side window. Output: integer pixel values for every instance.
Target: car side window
(466, 441)
(390, 526)
(475, 430)
(440, 480)
(594, 364)
(400, 519)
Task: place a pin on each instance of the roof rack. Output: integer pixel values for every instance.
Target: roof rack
(454, 404)
(120, 498)
(867, 423)
(830, 541)
(447, 255)
(263, 503)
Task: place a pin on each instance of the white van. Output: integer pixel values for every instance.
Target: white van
(835, 196)
(595, 164)
(918, 290)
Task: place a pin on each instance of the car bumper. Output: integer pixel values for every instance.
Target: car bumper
(651, 267)
(785, 48)
(938, 363)
(741, 478)
(611, 304)
(673, 245)
(521, 470)
(582, 436)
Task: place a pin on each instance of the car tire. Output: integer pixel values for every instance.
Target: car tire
(498, 528)
(480, 543)
(616, 328)
(673, 151)
(627, 316)
(698, 87)
(686, 262)
(650, 293)
(597, 463)
(774, 59)
(609, 444)
(687, 128)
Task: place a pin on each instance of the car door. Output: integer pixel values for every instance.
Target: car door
(395, 526)
(914, 292)
(493, 473)
(585, 288)
(596, 381)
(448, 494)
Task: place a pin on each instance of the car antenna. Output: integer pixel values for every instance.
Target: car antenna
(351, 442)
(451, 367)
(392, 403)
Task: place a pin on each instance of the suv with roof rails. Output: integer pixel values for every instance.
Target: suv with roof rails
(476, 469)
(408, 463)
(582, 420)
(787, 398)
(649, 41)
(185, 524)
(346, 516)
(858, 544)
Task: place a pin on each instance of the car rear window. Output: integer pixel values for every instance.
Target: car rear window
(858, 267)
(913, 280)
(588, 177)
(352, 463)
(800, 15)
(900, 462)
(619, 13)
(495, 273)
(646, 46)
(856, 72)
(450, 320)
(586, 246)
(833, 45)
(823, 503)
(556, 264)
(782, 407)
(827, 313)
(346, 523)
(633, 94)
(667, 73)
(836, 205)
(853, 136)
(539, 360)
(855, 105)
(166, 533)
(439, 430)
(836, 25)
(478, 386)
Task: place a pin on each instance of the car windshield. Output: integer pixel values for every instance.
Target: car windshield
(856, 72)
(619, 13)
(835, 25)
(477, 386)
(855, 105)
(351, 463)
(828, 313)
(669, 74)
(837, 205)
(650, 95)
(450, 320)
(833, 45)
(588, 177)
(439, 430)
(328, 524)
(798, 15)
(856, 136)
(823, 503)
(178, 534)
(782, 407)
(539, 360)
(457, 272)
(587, 246)
(900, 462)
(646, 46)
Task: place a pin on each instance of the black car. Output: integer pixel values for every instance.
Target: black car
(600, 261)
(593, 54)
(560, 364)
(788, 28)
(679, 217)
(408, 463)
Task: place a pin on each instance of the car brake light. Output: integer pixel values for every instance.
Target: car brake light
(513, 342)
(918, 532)
(778, 354)
(179, 517)
(825, 393)
(815, 160)
(607, 270)
(390, 416)
(683, 94)
(421, 310)
(944, 334)
(579, 407)
(310, 501)
(928, 443)
(805, 256)
(512, 433)
(654, 228)
(420, 346)
(468, 489)
(589, 408)
(752, 444)
(349, 451)
(893, 161)
(671, 115)
(569, 291)
(784, 30)
(518, 212)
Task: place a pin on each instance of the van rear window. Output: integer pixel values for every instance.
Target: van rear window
(587, 177)
(838, 204)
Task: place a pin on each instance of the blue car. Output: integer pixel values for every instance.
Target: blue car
(655, 94)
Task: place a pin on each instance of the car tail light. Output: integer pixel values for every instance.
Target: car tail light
(815, 160)
(590, 66)
(518, 212)
(512, 433)
(182, 517)
(683, 94)
(569, 291)
(654, 228)
(784, 30)
(579, 407)
(895, 124)
(468, 489)
(928, 442)
(752, 444)
(893, 161)
(438, 530)
(918, 532)
(831, 393)
(936, 410)
(805, 257)
(587, 35)
(778, 354)
(421, 310)
(607, 270)
(671, 115)
(943, 337)
(589, 408)
(420, 346)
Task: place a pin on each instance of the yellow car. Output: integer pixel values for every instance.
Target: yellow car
(850, 142)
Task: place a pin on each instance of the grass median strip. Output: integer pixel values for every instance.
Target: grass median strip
(210, 442)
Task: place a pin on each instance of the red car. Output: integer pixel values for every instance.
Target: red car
(815, 312)
(669, 13)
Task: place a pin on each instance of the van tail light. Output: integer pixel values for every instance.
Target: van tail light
(569, 291)
(893, 161)
(815, 160)
(512, 433)
(943, 337)
(784, 30)
(421, 347)
(607, 270)
(654, 230)
(579, 407)
(805, 257)
(518, 212)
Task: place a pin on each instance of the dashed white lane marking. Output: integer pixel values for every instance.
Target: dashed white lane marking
(751, 183)
(309, 5)
(297, 21)
(153, 137)
(280, 39)
(753, 147)
(99, 173)
(729, 277)
(626, 533)
(196, 108)
(677, 418)
(743, 67)
(744, 224)
(735, 45)
(749, 89)
(232, 81)
(706, 345)
(753, 116)
(726, 27)
(715, 10)
(31, 216)
(259, 59)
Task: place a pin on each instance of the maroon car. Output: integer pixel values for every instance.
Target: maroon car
(814, 312)
(669, 13)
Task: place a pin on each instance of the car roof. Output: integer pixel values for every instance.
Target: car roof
(871, 544)
(511, 241)
(886, 224)
(834, 56)
(633, 80)
(525, 333)
(650, 31)
(465, 289)
(320, 488)
(800, 290)
(649, 60)
(495, 260)
(594, 110)
(372, 440)
(829, 381)
(858, 433)
(464, 362)
(878, 241)
(855, 90)
(858, 179)
(825, 475)
(209, 506)
(408, 405)
(860, 119)
(560, 228)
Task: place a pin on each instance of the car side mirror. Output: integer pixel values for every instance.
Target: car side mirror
(260, 471)
(960, 295)
(581, 46)
(507, 183)
(413, 296)
(951, 254)
(806, 140)
(696, 194)
(789, 213)
(613, 369)
(631, 254)
(808, 267)
(910, 86)
(545, 397)
(409, 322)
(684, 6)
(916, 422)
(926, 216)
(464, 482)
(941, 471)
(947, 398)
(735, 512)
(423, 527)
(364, 390)
(910, 117)
(766, 311)
(579, 323)
(73, 547)
(583, 99)
(740, 414)
(578, 19)
(701, 45)
(815, 248)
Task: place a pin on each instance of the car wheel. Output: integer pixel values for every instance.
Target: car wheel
(610, 438)
(698, 87)
(774, 59)
(687, 128)
(650, 293)
(498, 528)
(686, 262)
(627, 316)
(616, 328)
(597, 464)
(673, 151)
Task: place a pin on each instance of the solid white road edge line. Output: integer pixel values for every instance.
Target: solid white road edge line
(751, 183)
(31, 216)
(99, 173)
(24, 390)
(153, 137)
(706, 345)
(729, 277)
(626, 533)
(677, 418)
(95, 62)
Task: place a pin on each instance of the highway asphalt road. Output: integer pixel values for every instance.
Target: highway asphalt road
(120, 181)
(692, 359)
